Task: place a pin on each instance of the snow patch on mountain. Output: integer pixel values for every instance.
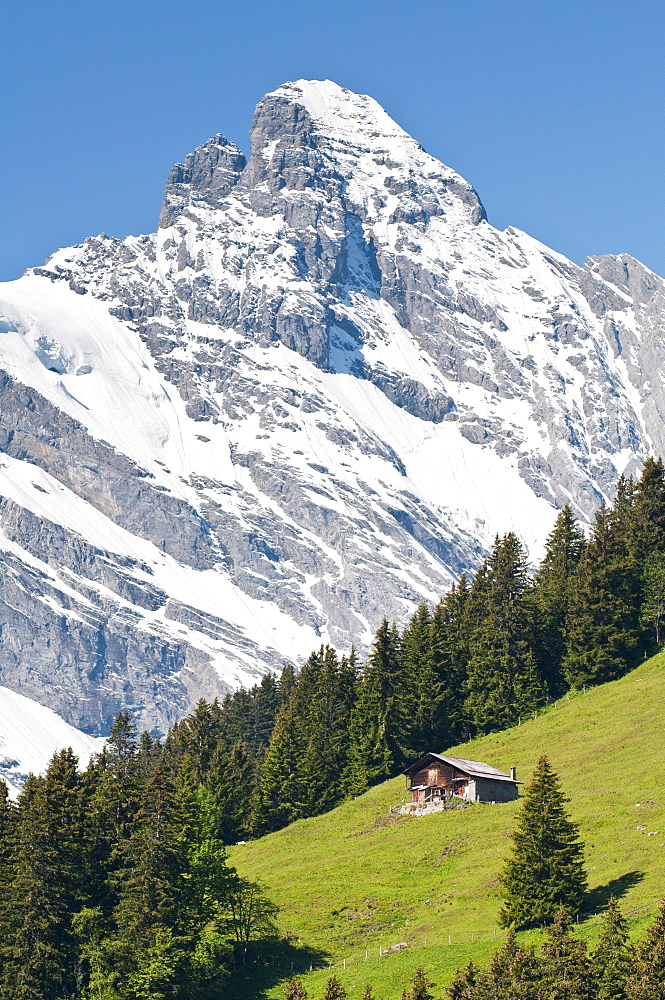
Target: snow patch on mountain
(29, 736)
(309, 400)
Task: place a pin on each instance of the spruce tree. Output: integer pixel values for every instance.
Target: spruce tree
(647, 522)
(552, 595)
(647, 980)
(156, 925)
(334, 990)
(503, 682)
(8, 815)
(420, 986)
(321, 701)
(230, 780)
(602, 626)
(450, 631)
(545, 870)
(463, 986)
(612, 951)
(295, 991)
(281, 794)
(378, 720)
(515, 973)
(422, 692)
(567, 972)
(48, 886)
(198, 735)
(612, 984)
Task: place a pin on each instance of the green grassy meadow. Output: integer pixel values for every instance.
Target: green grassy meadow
(356, 879)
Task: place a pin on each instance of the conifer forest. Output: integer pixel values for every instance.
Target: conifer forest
(115, 883)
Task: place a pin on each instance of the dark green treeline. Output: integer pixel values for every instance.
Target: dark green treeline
(114, 883)
(492, 651)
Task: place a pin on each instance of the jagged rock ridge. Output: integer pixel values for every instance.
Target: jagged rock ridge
(308, 400)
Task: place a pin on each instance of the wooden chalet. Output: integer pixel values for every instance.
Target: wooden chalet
(435, 778)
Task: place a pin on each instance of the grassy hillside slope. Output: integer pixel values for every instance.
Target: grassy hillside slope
(356, 879)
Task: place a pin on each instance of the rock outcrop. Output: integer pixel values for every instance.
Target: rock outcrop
(309, 400)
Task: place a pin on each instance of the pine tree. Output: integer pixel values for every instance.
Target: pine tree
(567, 973)
(463, 986)
(450, 630)
(515, 973)
(612, 985)
(545, 871)
(612, 949)
(281, 794)
(8, 815)
(295, 991)
(603, 625)
(49, 885)
(552, 595)
(334, 990)
(647, 522)
(502, 682)
(378, 719)
(156, 926)
(420, 986)
(647, 981)
(422, 691)
(198, 735)
(230, 780)
(321, 701)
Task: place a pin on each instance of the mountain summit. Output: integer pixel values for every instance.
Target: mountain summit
(309, 400)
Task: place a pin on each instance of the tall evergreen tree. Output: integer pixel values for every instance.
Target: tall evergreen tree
(154, 919)
(545, 870)
(647, 522)
(515, 973)
(230, 780)
(49, 885)
(552, 595)
(463, 986)
(567, 971)
(450, 630)
(647, 981)
(378, 720)
(281, 795)
(602, 625)
(198, 735)
(502, 682)
(422, 691)
(612, 948)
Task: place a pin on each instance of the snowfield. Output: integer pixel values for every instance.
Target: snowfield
(309, 400)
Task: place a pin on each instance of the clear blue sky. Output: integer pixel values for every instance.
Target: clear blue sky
(552, 109)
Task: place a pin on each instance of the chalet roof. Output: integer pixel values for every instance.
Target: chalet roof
(474, 768)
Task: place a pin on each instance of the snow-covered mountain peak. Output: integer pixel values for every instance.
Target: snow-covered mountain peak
(203, 180)
(354, 118)
(309, 400)
(382, 167)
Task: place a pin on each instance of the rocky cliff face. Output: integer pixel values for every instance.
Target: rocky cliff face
(309, 400)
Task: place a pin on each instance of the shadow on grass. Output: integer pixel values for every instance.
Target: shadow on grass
(599, 897)
(267, 963)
